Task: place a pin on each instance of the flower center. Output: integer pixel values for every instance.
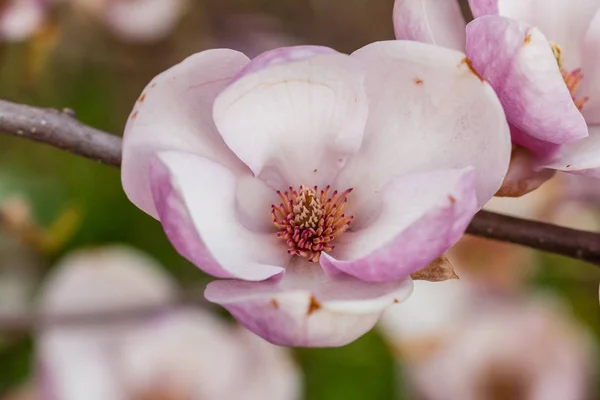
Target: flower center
(309, 220)
(572, 78)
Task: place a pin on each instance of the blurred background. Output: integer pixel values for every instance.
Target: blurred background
(95, 57)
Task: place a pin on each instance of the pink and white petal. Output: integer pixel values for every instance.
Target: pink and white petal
(517, 60)
(420, 217)
(560, 22)
(296, 116)
(196, 201)
(524, 175)
(581, 157)
(539, 148)
(306, 308)
(430, 21)
(428, 111)
(283, 55)
(174, 112)
(590, 85)
(483, 7)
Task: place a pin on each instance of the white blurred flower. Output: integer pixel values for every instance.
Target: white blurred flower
(182, 354)
(517, 351)
(417, 327)
(136, 20)
(20, 19)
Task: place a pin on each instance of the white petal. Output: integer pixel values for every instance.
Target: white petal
(196, 202)
(295, 117)
(174, 112)
(307, 308)
(428, 111)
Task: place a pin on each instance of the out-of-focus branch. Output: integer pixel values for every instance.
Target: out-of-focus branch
(26, 323)
(60, 129)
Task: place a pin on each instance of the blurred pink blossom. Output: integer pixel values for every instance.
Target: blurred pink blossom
(20, 19)
(136, 20)
(182, 354)
(510, 349)
(318, 180)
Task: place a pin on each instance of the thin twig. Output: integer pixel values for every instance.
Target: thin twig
(60, 129)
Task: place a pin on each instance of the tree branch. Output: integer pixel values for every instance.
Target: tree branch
(20, 324)
(60, 129)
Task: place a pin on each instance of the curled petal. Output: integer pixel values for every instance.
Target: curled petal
(196, 202)
(420, 217)
(296, 116)
(174, 112)
(428, 111)
(306, 308)
(517, 60)
(581, 157)
(430, 21)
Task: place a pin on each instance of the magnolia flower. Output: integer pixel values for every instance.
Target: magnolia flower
(178, 355)
(317, 180)
(510, 350)
(136, 20)
(20, 19)
(540, 58)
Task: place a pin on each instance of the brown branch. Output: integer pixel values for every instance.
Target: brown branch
(60, 129)
(537, 235)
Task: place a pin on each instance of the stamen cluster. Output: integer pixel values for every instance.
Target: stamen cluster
(572, 78)
(309, 220)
